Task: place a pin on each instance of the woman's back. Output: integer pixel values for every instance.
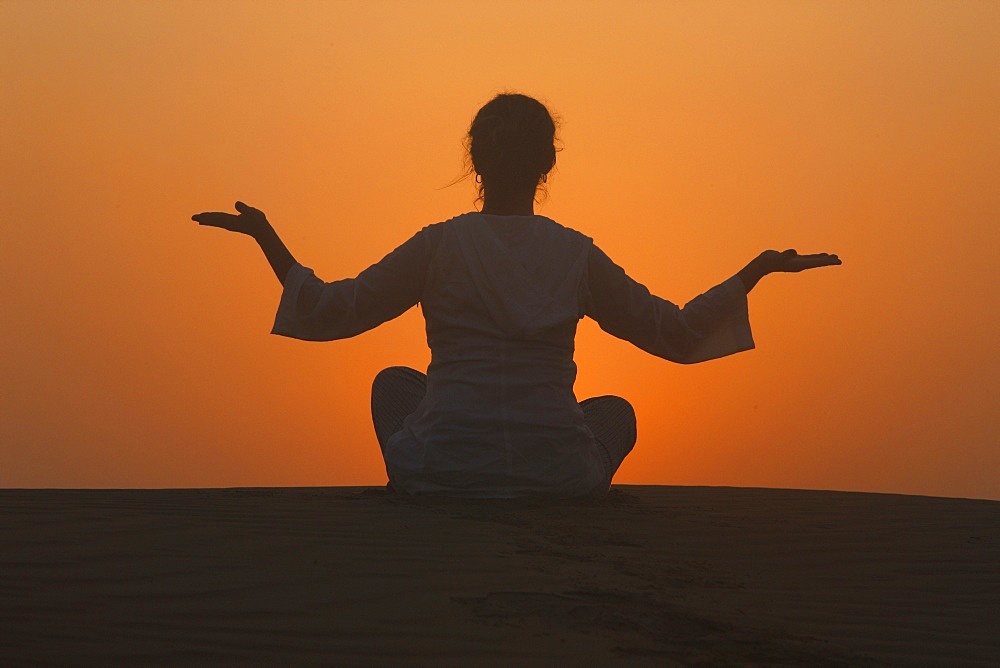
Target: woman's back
(502, 299)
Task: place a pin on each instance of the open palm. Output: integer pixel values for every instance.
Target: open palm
(248, 221)
(790, 261)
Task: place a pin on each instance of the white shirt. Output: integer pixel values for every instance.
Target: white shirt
(502, 296)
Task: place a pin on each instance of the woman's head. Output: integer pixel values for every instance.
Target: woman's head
(511, 144)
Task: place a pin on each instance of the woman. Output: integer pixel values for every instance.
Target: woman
(502, 291)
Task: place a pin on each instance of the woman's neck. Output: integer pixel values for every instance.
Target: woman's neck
(512, 205)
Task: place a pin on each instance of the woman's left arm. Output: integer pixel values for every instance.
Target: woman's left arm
(253, 223)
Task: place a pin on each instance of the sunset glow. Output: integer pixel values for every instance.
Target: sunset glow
(135, 345)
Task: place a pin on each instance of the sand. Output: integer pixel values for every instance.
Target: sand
(354, 576)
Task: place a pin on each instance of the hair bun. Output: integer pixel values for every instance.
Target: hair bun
(511, 142)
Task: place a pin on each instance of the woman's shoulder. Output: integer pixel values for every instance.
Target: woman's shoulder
(474, 219)
(559, 228)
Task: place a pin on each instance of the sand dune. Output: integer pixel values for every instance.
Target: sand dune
(346, 576)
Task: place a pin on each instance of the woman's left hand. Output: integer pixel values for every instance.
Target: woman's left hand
(249, 221)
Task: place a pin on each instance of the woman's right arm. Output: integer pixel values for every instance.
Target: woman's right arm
(711, 325)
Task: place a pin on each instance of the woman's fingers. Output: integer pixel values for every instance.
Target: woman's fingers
(221, 219)
(248, 221)
(801, 262)
(822, 258)
(206, 218)
(248, 210)
(213, 218)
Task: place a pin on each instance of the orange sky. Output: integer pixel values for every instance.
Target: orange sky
(135, 346)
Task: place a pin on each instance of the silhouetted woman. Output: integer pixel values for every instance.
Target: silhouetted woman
(502, 291)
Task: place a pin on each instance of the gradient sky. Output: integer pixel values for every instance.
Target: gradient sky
(135, 345)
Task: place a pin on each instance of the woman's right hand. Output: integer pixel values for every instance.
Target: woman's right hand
(249, 221)
(772, 261)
